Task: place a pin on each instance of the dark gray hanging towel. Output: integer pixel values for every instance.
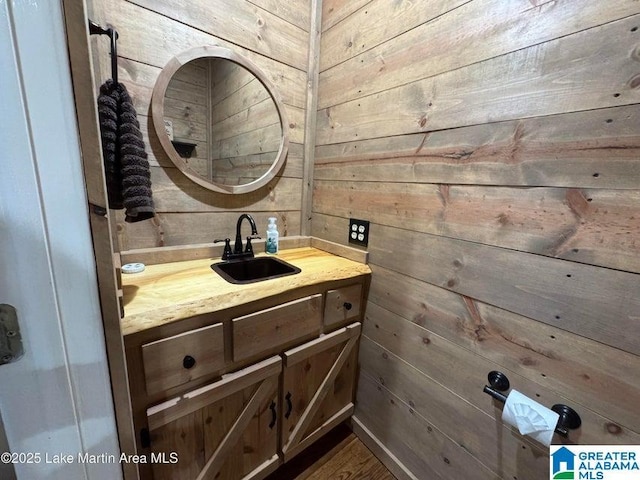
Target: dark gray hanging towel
(125, 159)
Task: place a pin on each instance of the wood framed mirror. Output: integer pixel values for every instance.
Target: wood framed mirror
(220, 120)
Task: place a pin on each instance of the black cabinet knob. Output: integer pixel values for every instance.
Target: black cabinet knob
(347, 305)
(188, 362)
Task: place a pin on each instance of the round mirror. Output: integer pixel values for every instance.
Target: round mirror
(219, 120)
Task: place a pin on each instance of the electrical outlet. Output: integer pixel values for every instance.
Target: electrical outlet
(359, 232)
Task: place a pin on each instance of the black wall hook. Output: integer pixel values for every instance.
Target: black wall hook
(95, 29)
(569, 418)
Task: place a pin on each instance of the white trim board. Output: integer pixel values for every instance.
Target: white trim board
(57, 398)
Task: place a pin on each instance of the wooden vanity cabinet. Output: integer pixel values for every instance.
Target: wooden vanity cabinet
(263, 384)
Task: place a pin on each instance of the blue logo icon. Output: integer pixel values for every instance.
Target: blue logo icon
(563, 464)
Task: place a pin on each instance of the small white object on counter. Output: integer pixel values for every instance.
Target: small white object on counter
(133, 268)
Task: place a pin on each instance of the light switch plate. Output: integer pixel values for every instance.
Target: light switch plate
(359, 232)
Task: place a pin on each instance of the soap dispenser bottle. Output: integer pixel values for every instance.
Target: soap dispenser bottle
(271, 245)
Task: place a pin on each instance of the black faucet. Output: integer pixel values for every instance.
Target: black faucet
(237, 247)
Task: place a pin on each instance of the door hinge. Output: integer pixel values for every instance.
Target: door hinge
(10, 339)
(98, 210)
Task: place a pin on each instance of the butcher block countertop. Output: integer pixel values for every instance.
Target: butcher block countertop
(168, 292)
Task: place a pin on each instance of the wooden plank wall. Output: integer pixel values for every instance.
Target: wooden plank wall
(245, 126)
(274, 35)
(495, 148)
(187, 103)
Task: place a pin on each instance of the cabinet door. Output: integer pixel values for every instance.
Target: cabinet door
(318, 388)
(226, 430)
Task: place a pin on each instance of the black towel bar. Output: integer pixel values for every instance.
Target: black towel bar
(95, 29)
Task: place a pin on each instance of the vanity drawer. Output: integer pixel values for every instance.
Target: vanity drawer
(343, 304)
(273, 327)
(179, 359)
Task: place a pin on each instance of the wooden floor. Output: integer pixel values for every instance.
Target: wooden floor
(339, 455)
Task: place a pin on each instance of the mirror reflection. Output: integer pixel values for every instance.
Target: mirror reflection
(222, 121)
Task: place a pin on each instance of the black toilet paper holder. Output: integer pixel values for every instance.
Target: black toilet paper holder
(569, 418)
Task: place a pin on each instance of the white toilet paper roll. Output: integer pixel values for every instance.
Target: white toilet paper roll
(530, 417)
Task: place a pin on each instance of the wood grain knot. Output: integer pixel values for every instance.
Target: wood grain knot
(613, 429)
(451, 283)
(503, 219)
(635, 81)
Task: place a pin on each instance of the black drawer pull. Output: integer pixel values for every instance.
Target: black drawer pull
(274, 417)
(347, 306)
(188, 362)
(289, 405)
